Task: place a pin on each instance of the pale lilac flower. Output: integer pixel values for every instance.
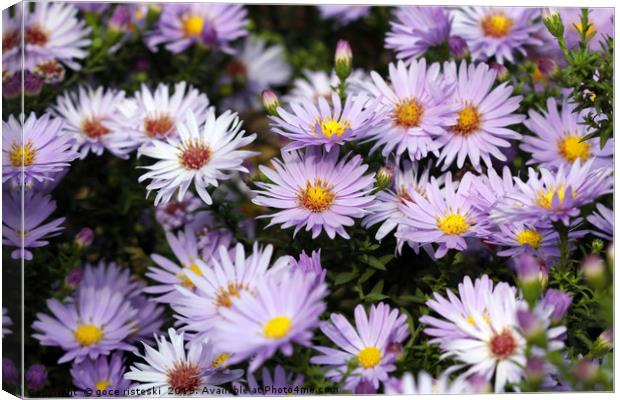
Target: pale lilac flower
(35, 150)
(317, 191)
(176, 213)
(328, 125)
(426, 384)
(601, 23)
(559, 137)
(367, 343)
(33, 233)
(279, 313)
(416, 29)
(103, 373)
(499, 32)
(92, 118)
(559, 301)
(94, 324)
(484, 113)
(413, 108)
(541, 240)
(603, 221)
(343, 14)
(209, 24)
(202, 155)
(309, 265)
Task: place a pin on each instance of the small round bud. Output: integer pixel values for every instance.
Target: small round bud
(597, 246)
(270, 102)
(593, 269)
(85, 237)
(535, 369)
(532, 327)
(585, 370)
(500, 70)
(73, 278)
(458, 47)
(36, 377)
(384, 177)
(343, 59)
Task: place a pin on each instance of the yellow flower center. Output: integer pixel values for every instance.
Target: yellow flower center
(316, 197)
(572, 148)
(545, 199)
(529, 236)
(496, 25)
(408, 113)
(87, 334)
(20, 153)
(277, 327)
(220, 360)
(185, 279)
(369, 357)
(468, 121)
(330, 127)
(192, 26)
(102, 385)
(453, 224)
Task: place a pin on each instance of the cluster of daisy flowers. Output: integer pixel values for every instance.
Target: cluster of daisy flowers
(422, 156)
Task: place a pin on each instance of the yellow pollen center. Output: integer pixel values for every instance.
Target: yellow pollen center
(277, 327)
(330, 127)
(453, 224)
(316, 197)
(496, 25)
(468, 121)
(192, 26)
(102, 385)
(545, 199)
(225, 295)
(408, 113)
(185, 279)
(220, 360)
(369, 357)
(87, 334)
(572, 148)
(529, 236)
(20, 153)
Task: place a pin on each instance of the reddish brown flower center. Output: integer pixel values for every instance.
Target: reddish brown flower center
(174, 206)
(184, 377)
(195, 155)
(158, 126)
(94, 128)
(51, 69)
(10, 40)
(36, 35)
(503, 345)
(236, 69)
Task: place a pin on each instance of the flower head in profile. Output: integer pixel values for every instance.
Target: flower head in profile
(559, 138)
(499, 32)
(208, 24)
(484, 114)
(309, 124)
(37, 148)
(52, 32)
(603, 221)
(202, 155)
(415, 29)
(154, 115)
(367, 345)
(171, 368)
(95, 323)
(103, 373)
(92, 118)
(34, 232)
(343, 14)
(412, 108)
(317, 191)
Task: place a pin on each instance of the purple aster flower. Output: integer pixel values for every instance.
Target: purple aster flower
(281, 383)
(32, 84)
(154, 115)
(601, 21)
(37, 148)
(309, 264)
(366, 344)
(11, 83)
(171, 368)
(92, 117)
(32, 234)
(500, 32)
(328, 125)
(559, 301)
(413, 109)
(426, 384)
(101, 374)
(277, 314)
(52, 31)
(554, 196)
(203, 154)
(316, 190)
(484, 113)
(209, 24)
(415, 29)
(10, 374)
(176, 213)
(343, 13)
(566, 130)
(95, 323)
(444, 216)
(36, 377)
(603, 221)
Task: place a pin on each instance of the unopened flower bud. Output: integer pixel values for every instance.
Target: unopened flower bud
(531, 277)
(85, 237)
(500, 70)
(532, 327)
(458, 47)
(9, 372)
(36, 377)
(585, 370)
(593, 269)
(343, 59)
(597, 246)
(384, 177)
(560, 302)
(604, 343)
(32, 84)
(120, 20)
(535, 369)
(270, 102)
(73, 278)
(553, 21)
(11, 84)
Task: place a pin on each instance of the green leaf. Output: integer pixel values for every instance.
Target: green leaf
(345, 277)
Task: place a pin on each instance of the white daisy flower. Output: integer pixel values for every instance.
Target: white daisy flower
(201, 156)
